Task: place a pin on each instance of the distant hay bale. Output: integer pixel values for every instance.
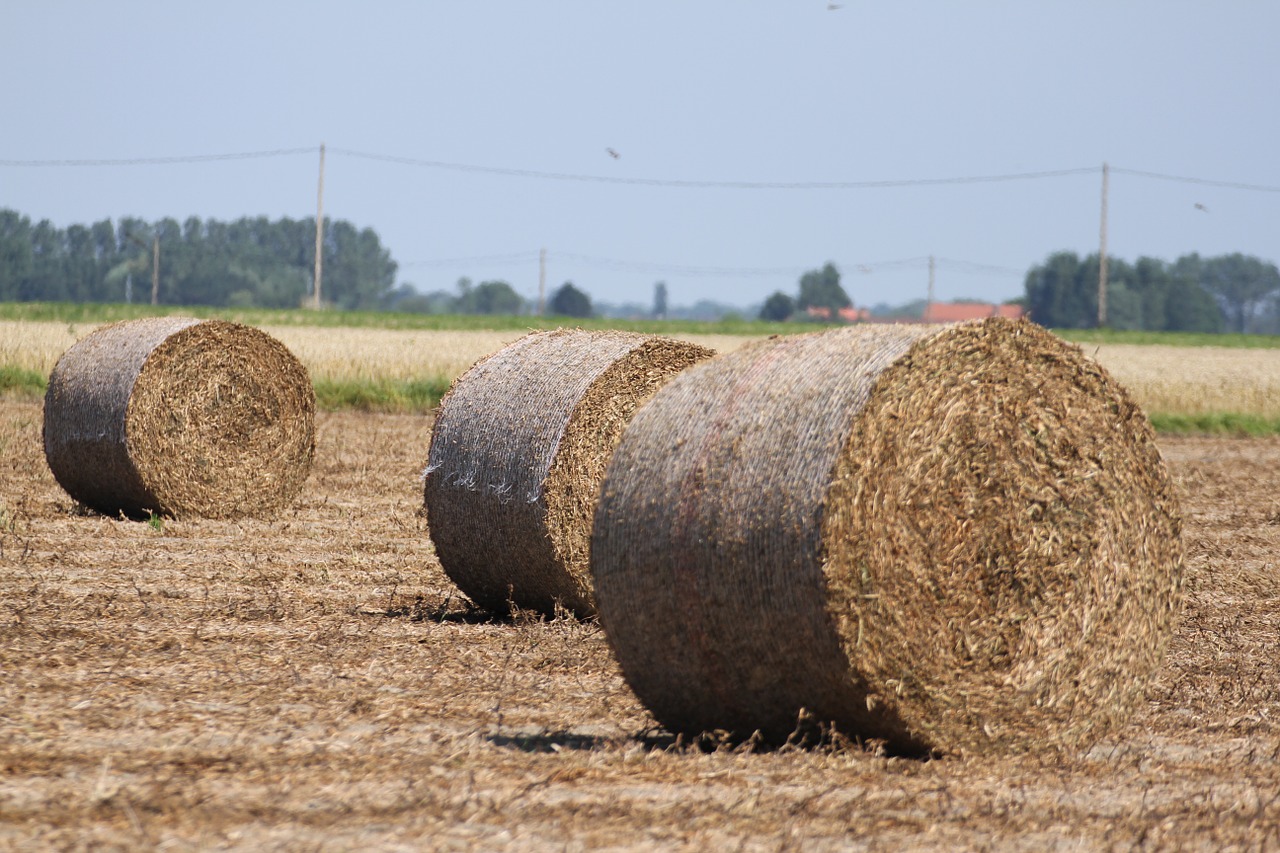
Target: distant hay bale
(519, 447)
(181, 417)
(959, 539)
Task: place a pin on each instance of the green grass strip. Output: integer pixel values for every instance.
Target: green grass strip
(102, 313)
(1232, 340)
(381, 395)
(1217, 423)
(387, 395)
(97, 313)
(22, 381)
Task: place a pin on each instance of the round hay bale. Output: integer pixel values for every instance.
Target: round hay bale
(519, 447)
(959, 539)
(180, 417)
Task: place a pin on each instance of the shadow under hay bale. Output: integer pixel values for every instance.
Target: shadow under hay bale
(519, 447)
(959, 539)
(181, 417)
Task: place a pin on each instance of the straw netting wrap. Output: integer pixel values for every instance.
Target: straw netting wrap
(182, 417)
(959, 539)
(519, 447)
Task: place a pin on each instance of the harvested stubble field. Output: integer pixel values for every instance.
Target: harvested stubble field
(313, 682)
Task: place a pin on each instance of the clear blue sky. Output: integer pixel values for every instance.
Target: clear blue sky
(710, 91)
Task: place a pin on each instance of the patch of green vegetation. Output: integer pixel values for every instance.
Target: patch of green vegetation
(96, 313)
(100, 313)
(21, 380)
(381, 395)
(1217, 423)
(1169, 339)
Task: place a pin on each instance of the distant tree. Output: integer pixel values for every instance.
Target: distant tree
(821, 289)
(407, 298)
(1191, 308)
(251, 261)
(569, 301)
(495, 297)
(1149, 294)
(16, 258)
(1057, 296)
(778, 307)
(1241, 284)
(358, 270)
(660, 300)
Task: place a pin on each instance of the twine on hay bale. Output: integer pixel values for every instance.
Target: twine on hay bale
(181, 417)
(959, 539)
(518, 450)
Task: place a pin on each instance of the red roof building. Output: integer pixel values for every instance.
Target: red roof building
(958, 312)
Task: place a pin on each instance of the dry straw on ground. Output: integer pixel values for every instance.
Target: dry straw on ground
(259, 685)
(960, 539)
(519, 448)
(181, 417)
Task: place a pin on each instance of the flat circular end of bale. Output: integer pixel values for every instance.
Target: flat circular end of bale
(960, 539)
(1003, 543)
(180, 417)
(520, 444)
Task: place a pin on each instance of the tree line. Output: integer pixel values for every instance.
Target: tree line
(270, 263)
(820, 289)
(248, 262)
(489, 297)
(1235, 293)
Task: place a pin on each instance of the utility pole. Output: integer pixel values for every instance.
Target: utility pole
(1102, 253)
(542, 281)
(155, 270)
(319, 230)
(928, 305)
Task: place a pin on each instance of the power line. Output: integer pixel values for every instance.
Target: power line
(898, 264)
(491, 260)
(611, 179)
(162, 161)
(658, 268)
(671, 269)
(686, 184)
(1201, 181)
(977, 268)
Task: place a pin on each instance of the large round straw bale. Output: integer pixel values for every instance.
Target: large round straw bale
(181, 417)
(960, 539)
(519, 447)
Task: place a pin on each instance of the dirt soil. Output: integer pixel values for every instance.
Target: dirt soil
(314, 682)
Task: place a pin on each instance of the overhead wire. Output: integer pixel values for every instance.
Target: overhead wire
(692, 271)
(614, 179)
(706, 184)
(960, 266)
(162, 161)
(492, 260)
(1234, 185)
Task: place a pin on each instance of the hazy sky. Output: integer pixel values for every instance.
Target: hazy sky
(698, 99)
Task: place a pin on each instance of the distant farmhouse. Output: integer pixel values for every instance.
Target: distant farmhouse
(957, 312)
(934, 312)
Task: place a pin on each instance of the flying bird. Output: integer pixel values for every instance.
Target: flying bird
(831, 7)
(1200, 206)
(614, 154)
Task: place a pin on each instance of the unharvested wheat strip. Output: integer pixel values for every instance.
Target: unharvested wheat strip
(960, 539)
(517, 453)
(180, 416)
